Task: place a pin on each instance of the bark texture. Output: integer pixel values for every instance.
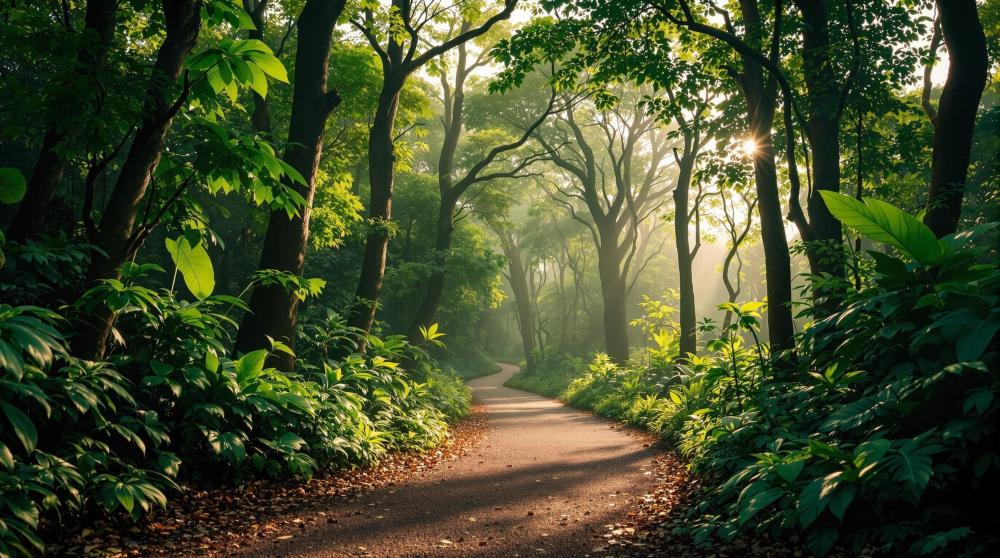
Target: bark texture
(116, 234)
(274, 311)
(956, 114)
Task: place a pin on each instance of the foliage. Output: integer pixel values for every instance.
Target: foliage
(852, 442)
(175, 407)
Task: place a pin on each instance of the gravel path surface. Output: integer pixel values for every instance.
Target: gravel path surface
(545, 481)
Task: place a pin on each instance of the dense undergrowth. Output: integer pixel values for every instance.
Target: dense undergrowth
(172, 406)
(878, 430)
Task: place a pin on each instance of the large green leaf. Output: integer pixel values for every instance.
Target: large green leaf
(884, 222)
(194, 266)
(24, 429)
(12, 185)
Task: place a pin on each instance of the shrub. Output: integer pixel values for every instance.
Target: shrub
(80, 437)
(880, 427)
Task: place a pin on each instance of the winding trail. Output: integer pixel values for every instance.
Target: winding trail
(545, 481)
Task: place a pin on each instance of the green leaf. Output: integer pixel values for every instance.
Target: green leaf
(211, 361)
(811, 505)
(250, 365)
(12, 185)
(790, 471)
(24, 429)
(821, 540)
(270, 65)
(125, 497)
(751, 506)
(884, 222)
(194, 265)
(973, 344)
(979, 400)
(6, 457)
(841, 499)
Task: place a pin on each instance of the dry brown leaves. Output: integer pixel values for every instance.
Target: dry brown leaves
(217, 521)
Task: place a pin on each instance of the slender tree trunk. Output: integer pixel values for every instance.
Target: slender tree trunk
(183, 21)
(381, 163)
(761, 100)
(824, 121)
(957, 108)
(522, 302)
(435, 282)
(614, 296)
(273, 310)
(453, 121)
(689, 336)
(50, 164)
(824, 230)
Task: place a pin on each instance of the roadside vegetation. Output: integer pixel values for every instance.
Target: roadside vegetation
(264, 239)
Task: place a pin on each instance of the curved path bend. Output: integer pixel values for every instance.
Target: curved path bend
(544, 481)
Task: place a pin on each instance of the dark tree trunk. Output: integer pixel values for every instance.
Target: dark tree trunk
(381, 170)
(823, 128)
(182, 18)
(613, 294)
(688, 319)
(50, 164)
(957, 108)
(273, 311)
(761, 100)
(824, 121)
(777, 261)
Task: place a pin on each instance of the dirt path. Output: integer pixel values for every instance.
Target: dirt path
(544, 481)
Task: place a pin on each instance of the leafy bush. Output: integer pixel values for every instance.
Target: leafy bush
(887, 433)
(550, 375)
(879, 429)
(175, 406)
(72, 434)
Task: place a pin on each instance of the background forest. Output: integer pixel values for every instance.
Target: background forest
(272, 238)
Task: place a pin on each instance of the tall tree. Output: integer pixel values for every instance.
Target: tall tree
(395, 37)
(501, 161)
(182, 21)
(595, 35)
(273, 309)
(619, 186)
(758, 78)
(955, 121)
(517, 277)
(694, 137)
(51, 163)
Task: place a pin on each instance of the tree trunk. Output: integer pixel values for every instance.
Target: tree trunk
(435, 283)
(824, 134)
(453, 120)
(777, 260)
(957, 108)
(688, 334)
(613, 295)
(381, 163)
(761, 100)
(274, 311)
(522, 302)
(183, 21)
(50, 164)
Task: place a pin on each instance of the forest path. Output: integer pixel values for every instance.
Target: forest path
(544, 481)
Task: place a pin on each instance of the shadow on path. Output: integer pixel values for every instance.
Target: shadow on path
(545, 480)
